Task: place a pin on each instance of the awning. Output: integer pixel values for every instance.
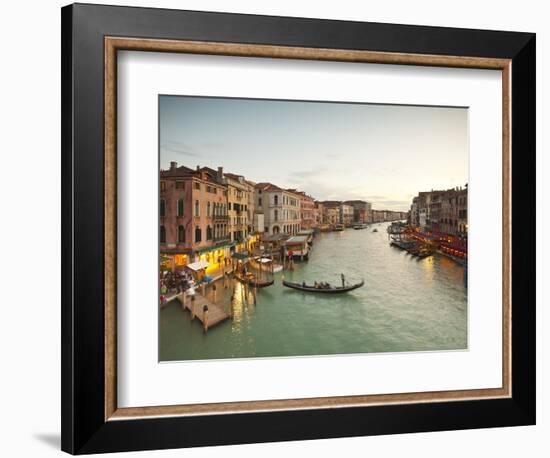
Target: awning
(240, 255)
(296, 240)
(209, 249)
(199, 265)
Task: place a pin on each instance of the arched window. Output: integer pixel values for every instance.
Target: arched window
(209, 233)
(162, 234)
(276, 200)
(181, 234)
(180, 207)
(162, 207)
(197, 208)
(276, 214)
(198, 234)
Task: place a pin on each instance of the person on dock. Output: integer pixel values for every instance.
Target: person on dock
(343, 280)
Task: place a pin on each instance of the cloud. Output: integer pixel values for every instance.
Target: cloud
(175, 147)
(302, 175)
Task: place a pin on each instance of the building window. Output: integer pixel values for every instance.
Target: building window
(208, 233)
(181, 234)
(162, 234)
(162, 207)
(179, 184)
(180, 207)
(260, 201)
(197, 208)
(276, 215)
(276, 200)
(197, 185)
(229, 206)
(162, 186)
(198, 234)
(208, 209)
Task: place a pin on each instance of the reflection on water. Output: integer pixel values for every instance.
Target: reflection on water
(407, 304)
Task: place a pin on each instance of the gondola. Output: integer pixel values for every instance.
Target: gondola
(331, 290)
(253, 281)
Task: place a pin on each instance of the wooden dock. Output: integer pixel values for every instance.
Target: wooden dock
(215, 315)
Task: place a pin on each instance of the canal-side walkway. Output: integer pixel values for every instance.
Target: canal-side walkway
(207, 312)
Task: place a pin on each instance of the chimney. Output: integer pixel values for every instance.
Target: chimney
(220, 174)
(173, 165)
(198, 167)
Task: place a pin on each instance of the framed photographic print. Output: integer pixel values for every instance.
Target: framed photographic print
(281, 228)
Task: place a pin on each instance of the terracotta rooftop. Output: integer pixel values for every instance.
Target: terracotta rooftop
(180, 171)
(331, 203)
(232, 176)
(268, 187)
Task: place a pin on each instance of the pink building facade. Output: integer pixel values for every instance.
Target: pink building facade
(193, 216)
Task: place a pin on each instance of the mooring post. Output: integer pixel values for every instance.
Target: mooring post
(192, 307)
(205, 318)
(214, 290)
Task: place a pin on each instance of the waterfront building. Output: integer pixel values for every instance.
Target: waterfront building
(280, 207)
(361, 210)
(318, 213)
(330, 211)
(442, 211)
(255, 217)
(414, 216)
(238, 200)
(307, 209)
(346, 214)
(377, 216)
(462, 211)
(193, 216)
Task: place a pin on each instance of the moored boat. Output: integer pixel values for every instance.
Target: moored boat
(251, 280)
(322, 288)
(265, 264)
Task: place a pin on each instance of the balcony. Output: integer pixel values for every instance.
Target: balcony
(222, 238)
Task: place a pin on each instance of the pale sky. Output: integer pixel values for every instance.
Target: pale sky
(384, 154)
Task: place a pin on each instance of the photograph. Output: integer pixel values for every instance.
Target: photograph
(295, 228)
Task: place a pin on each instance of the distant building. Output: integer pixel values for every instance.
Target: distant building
(318, 213)
(361, 210)
(331, 211)
(414, 217)
(444, 211)
(281, 209)
(307, 209)
(346, 214)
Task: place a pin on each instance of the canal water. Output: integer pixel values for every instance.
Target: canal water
(406, 304)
